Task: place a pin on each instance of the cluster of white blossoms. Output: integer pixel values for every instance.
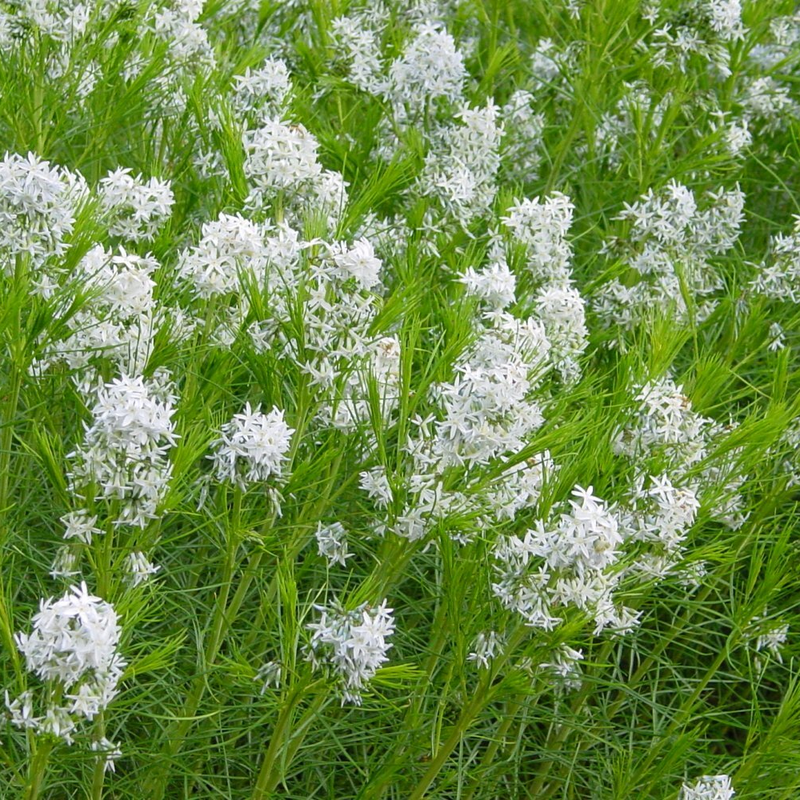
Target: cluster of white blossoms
(666, 426)
(124, 453)
(117, 321)
(284, 174)
(229, 246)
(262, 93)
(568, 562)
(74, 646)
(38, 208)
(564, 668)
(175, 21)
(542, 225)
(252, 447)
(485, 648)
(709, 787)
(136, 208)
(486, 413)
(332, 543)
(767, 637)
(431, 68)
(139, 568)
(463, 161)
(353, 643)
(280, 156)
(660, 515)
(779, 277)
(357, 44)
(668, 251)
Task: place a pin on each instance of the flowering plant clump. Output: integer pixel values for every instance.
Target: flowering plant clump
(399, 398)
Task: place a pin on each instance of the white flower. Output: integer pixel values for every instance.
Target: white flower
(252, 447)
(280, 156)
(229, 246)
(79, 525)
(124, 452)
(565, 667)
(139, 568)
(485, 648)
(708, 787)
(136, 208)
(354, 643)
(74, 642)
(430, 68)
(332, 543)
(359, 262)
(38, 208)
(269, 675)
(542, 225)
(495, 285)
(264, 91)
(109, 751)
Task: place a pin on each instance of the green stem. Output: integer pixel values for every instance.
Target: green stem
(99, 772)
(15, 365)
(683, 713)
(223, 617)
(37, 770)
(482, 697)
(557, 737)
(508, 717)
(270, 773)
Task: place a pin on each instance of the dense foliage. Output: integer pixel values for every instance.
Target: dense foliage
(399, 398)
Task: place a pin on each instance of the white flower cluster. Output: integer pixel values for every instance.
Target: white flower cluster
(38, 208)
(668, 252)
(118, 319)
(252, 447)
(358, 45)
(770, 636)
(281, 162)
(354, 643)
(229, 246)
(74, 644)
(666, 426)
(136, 208)
(542, 227)
(139, 568)
(64, 21)
(703, 30)
(176, 23)
(263, 93)
(124, 454)
(568, 562)
(779, 278)
(280, 156)
(565, 667)
(462, 163)
(660, 515)
(485, 647)
(487, 412)
(708, 787)
(431, 68)
(332, 543)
